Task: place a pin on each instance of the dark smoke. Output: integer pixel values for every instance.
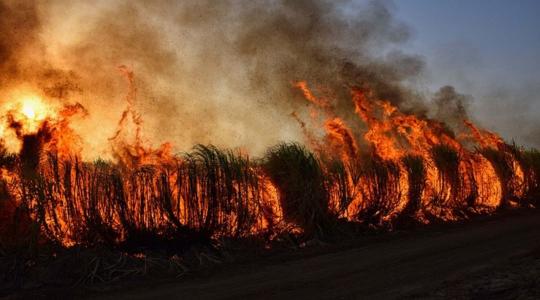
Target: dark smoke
(19, 26)
(207, 71)
(451, 107)
(222, 72)
(23, 58)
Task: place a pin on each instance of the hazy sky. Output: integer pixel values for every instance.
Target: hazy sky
(487, 48)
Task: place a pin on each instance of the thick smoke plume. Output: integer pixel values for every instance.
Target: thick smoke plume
(219, 72)
(23, 54)
(451, 107)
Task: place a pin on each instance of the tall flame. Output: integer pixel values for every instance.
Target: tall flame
(397, 164)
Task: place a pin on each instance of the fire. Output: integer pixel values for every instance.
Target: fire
(23, 113)
(377, 165)
(454, 176)
(27, 110)
(34, 111)
(30, 108)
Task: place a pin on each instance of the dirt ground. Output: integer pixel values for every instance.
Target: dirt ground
(490, 259)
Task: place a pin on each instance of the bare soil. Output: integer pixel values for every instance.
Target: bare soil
(493, 258)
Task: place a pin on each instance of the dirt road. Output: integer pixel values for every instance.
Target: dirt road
(389, 269)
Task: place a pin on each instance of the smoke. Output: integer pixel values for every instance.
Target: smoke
(19, 24)
(511, 109)
(23, 53)
(218, 72)
(451, 107)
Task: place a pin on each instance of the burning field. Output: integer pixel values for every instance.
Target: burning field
(82, 115)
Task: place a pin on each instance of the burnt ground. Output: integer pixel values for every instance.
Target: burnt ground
(496, 258)
(487, 258)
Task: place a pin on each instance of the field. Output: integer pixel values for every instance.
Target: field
(108, 222)
(492, 257)
(495, 258)
(143, 141)
(149, 212)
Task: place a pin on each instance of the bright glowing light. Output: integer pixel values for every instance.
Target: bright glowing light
(33, 108)
(30, 111)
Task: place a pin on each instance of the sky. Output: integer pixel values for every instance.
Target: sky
(489, 49)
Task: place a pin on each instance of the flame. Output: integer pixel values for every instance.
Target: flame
(33, 109)
(378, 162)
(29, 111)
(450, 182)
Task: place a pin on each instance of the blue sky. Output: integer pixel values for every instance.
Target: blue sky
(503, 34)
(487, 48)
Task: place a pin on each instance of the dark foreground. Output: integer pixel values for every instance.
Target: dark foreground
(495, 259)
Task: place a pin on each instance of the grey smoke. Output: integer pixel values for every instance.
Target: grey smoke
(211, 71)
